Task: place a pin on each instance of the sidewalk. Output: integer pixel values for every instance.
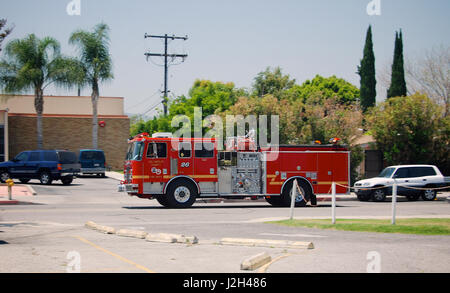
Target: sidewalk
(17, 190)
(114, 175)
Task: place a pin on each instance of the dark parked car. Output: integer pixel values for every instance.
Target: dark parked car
(45, 165)
(92, 162)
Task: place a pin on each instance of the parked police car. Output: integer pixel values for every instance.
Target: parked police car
(412, 182)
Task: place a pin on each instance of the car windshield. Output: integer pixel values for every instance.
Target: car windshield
(135, 151)
(67, 157)
(386, 173)
(92, 155)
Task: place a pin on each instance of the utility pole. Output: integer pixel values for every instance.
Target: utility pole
(166, 65)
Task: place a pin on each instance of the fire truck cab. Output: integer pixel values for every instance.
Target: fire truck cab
(177, 171)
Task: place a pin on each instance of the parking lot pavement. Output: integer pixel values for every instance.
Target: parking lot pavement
(37, 237)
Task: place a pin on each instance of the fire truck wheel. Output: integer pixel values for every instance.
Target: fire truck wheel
(299, 201)
(162, 199)
(274, 201)
(181, 194)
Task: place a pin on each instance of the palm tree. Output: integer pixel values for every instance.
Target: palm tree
(96, 63)
(32, 64)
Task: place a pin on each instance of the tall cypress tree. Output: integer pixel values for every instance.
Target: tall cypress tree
(398, 83)
(367, 73)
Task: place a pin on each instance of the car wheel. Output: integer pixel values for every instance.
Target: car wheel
(45, 177)
(429, 195)
(181, 194)
(24, 181)
(379, 195)
(413, 197)
(67, 180)
(4, 175)
(363, 197)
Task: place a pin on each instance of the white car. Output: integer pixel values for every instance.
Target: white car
(406, 176)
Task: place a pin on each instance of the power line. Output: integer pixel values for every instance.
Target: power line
(166, 65)
(143, 100)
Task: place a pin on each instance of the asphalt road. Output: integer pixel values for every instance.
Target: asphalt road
(48, 235)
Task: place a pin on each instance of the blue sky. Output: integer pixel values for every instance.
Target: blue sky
(231, 41)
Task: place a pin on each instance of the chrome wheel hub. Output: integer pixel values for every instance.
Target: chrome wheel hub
(182, 194)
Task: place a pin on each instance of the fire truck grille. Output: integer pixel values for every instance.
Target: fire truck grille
(128, 174)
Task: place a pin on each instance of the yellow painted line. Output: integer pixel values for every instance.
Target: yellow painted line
(264, 268)
(204, 176)
(193, 176)
(330, 182)
(276, 183)
(114, 254)
(140, 176)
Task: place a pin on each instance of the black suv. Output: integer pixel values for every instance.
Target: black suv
(45, 165)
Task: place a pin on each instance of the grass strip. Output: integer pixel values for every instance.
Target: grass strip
(419, 226)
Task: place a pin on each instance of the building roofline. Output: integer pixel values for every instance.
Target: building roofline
(65, 115)
(58, 96)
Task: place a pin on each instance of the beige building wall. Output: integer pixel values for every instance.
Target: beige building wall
(62, 105)
(67, 124)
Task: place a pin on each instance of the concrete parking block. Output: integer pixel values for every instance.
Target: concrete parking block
(91, 225)
(132, 233)
(267, 243)
(254, 262)
(171, 238)
(162, 237)
(106, 229)
(101, 228)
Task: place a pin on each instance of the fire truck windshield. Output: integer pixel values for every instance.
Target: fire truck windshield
(135, 151)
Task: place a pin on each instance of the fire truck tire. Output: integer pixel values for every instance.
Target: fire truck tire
(274, 201)
(286, 194)
(162, 200)
(181, 194)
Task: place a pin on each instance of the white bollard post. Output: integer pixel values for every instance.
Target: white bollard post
(333, 203)
(293, 192)
(9, 192)
(394, 201)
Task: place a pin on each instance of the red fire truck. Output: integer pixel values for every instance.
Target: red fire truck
(177, 171)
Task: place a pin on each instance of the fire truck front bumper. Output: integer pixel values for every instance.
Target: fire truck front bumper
(130, 188)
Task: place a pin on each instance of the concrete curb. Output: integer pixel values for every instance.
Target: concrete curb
(132, 233)
(255, 262)
(9, 202)
(31, 189)
(267, 243)
(114, 175)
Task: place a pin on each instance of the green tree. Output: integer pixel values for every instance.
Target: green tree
(212, 97)
(411, 130)
(272, 82)
(4, 32)
(367, 73)
(95, 61)
(324, 88)
(33, 64)
(398, 83)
